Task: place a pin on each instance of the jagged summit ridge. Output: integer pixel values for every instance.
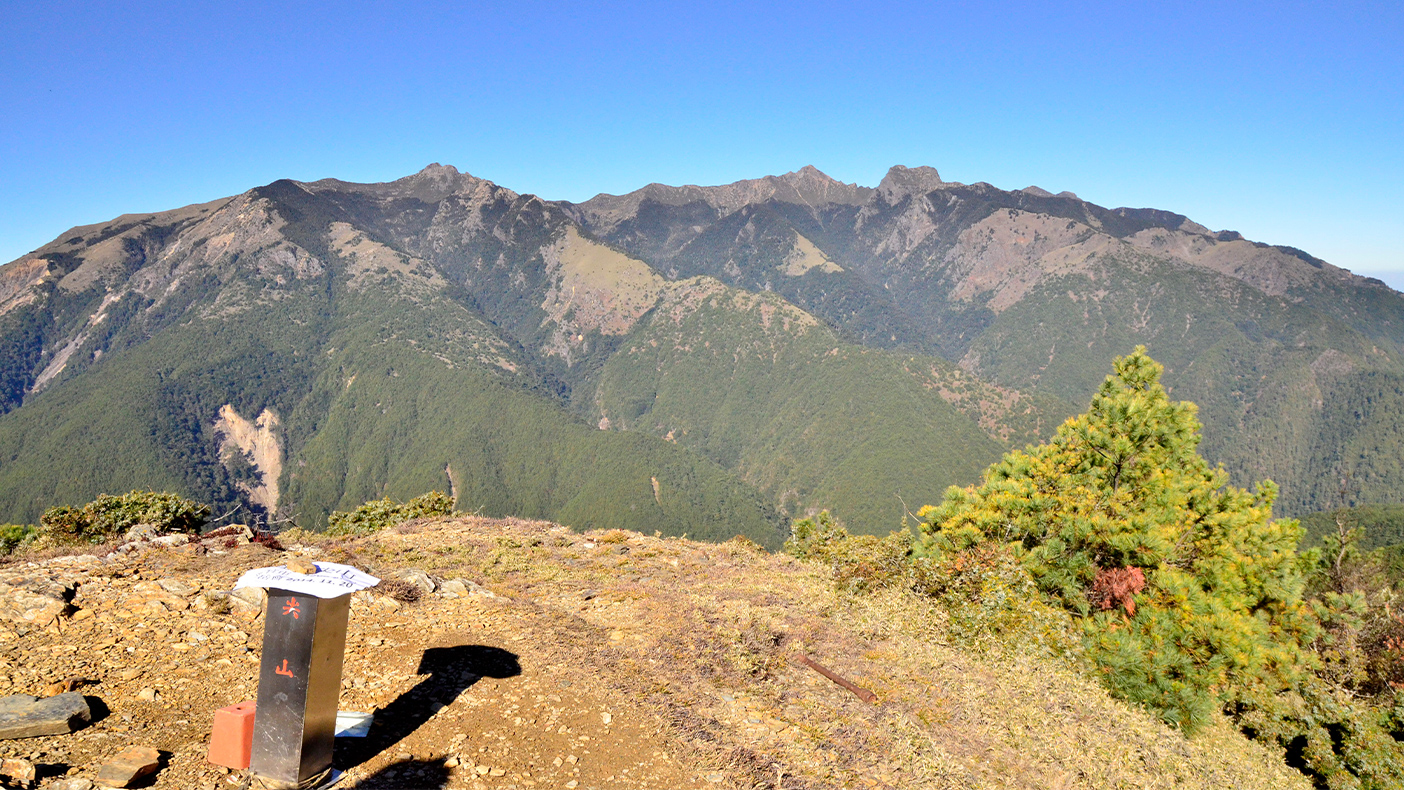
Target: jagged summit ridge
(1027, 291)
(432, 184)
(806, 186)
(902, 181)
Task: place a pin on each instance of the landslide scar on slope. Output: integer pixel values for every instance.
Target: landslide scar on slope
(60, 359)
(258, 442)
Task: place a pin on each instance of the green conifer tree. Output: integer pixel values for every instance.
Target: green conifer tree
(1189, 595)
(1186, 586)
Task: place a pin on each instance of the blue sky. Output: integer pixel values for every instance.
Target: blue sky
(1284, 121)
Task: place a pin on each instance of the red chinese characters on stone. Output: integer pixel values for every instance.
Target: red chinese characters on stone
(292, 607)
(283, 670)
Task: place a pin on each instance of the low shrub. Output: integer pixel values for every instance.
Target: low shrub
(991, 600)
(13, 536)
(384, 513)
(110, 516)
(861, 563)
(400, 590)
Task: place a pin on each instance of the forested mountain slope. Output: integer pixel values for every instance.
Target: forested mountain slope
(153, 345)
(1295, 363)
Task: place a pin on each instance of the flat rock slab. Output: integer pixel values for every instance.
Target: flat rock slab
(129, 765)
(23, 716)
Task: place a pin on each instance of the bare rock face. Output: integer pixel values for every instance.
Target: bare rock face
(34, 599)
(23, 716)
(903, 181)
(129, 765)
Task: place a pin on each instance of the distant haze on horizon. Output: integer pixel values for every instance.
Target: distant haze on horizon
(1282, 123)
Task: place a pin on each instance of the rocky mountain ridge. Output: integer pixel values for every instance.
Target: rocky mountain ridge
(320, 300)
(1033, 291)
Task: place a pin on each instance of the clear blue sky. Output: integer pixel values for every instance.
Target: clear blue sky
(1282, 120)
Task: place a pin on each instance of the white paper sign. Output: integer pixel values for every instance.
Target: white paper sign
(329, 581)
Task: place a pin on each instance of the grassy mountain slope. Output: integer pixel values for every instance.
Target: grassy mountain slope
(689, 650)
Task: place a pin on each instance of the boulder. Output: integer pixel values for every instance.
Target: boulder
(418, 578)
(178, 587)
(248, 598)
(142, 532)
(464, 588)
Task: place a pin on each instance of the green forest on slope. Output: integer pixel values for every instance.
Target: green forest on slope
(421, 402)
(1281, 388)
(814, 422)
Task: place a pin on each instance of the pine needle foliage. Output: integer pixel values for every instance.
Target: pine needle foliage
(385, 513)
(111, 515)
(13, 536)
(1220, 621)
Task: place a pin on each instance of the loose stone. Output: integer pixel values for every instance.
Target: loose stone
(17, 771)
(129, 765)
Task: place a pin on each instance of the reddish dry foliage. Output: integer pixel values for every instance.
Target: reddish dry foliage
(1114, 587)
(267, 539)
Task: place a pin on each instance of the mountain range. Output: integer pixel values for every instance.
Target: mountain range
(702, 360)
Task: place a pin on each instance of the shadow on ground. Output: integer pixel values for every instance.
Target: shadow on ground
(450, 671)
(407, 774)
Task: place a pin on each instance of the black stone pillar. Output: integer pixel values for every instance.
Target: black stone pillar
(299, 684)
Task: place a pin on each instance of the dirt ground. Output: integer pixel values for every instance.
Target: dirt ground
(508, 710)
(546, 658)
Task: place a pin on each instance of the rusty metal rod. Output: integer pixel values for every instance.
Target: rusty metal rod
(858, 691)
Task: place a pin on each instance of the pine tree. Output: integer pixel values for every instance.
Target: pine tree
(1186, 585)
(1189, 595)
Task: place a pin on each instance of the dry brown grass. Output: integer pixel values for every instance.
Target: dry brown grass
(694, 648)
(703, 637)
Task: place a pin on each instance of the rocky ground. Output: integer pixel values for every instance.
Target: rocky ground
(514, 654)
